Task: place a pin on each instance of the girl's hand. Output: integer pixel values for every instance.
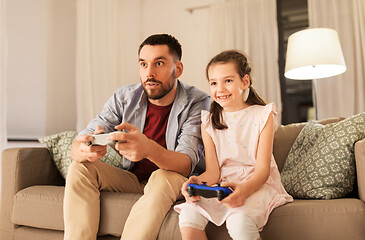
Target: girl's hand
(237, 198)
(184, 191)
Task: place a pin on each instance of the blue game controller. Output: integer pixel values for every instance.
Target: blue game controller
(208, 192)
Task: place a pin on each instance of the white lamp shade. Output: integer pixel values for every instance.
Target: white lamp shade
(314, 53)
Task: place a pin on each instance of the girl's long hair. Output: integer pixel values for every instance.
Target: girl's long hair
(243, 68)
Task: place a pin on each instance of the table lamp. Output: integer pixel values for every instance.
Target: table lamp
(314, 53)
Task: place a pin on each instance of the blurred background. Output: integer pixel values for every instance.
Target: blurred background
(65, 58)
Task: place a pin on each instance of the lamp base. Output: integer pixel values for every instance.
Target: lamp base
(311, 114)
(314, 92)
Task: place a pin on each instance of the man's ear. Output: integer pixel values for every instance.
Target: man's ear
(179, 69)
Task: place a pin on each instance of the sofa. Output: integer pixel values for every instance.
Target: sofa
(32, 197)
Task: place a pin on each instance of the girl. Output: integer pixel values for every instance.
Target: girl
(238, 138)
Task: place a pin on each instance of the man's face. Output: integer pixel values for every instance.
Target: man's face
(157, 70)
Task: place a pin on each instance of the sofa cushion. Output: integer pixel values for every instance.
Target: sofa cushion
(42, 207)
(285, 136)
(59, 146)
(321, 162)
(306, 219)
(309, 219)
(29, 233)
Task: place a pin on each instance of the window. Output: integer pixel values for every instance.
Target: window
(296, 95)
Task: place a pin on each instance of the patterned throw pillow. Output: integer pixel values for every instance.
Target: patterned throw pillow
(321, 163)
(59, 146)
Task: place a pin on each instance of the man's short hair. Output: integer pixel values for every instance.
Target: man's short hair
(164, 39)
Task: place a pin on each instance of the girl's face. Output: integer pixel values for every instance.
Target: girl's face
(227, 87)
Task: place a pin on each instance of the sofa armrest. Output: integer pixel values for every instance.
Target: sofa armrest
(24, 167)
(21, 168)
(360, 167)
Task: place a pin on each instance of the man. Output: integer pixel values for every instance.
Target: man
(161, 146)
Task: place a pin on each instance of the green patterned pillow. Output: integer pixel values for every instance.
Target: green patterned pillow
(321, 162)
(59, 146)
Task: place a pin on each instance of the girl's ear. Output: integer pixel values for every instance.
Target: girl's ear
(179, 69)
(246, 81)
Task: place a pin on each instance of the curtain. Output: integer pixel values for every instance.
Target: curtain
(251, 27)
(3, 57)
(99, 55)
(342, 95)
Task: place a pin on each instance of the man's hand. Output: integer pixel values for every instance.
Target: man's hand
(136, 145)
(237, 198)
(81, 152)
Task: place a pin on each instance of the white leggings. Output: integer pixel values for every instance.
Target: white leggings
(239, 225)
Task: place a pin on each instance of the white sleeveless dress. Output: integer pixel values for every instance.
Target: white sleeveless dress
(236, 151)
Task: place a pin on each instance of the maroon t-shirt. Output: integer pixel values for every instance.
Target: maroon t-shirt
(155, 129)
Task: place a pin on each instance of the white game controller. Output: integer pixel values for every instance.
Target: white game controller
(102, 139)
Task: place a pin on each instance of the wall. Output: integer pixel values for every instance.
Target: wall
(60, 68)
(191, 29)
(41, 56)
(41, 63)
(41, 72)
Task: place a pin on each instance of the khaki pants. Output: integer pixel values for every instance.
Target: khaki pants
(82, 199)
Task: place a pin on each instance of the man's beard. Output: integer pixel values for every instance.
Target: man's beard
(160, 92)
